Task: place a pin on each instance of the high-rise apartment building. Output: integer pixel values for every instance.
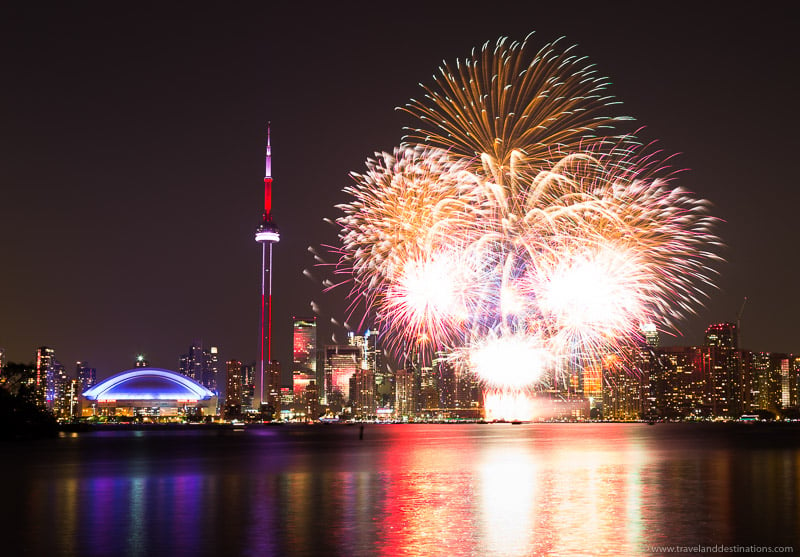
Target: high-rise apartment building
(723, 370)
(59, 390)
(233, 388)
(271, 403)
(405, 391)
(86, 375)
(650, 333)
(45, 357)
(362, 394)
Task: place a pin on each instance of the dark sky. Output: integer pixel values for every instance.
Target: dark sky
(132, 139)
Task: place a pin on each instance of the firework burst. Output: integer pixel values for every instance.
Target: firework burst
(511, 238)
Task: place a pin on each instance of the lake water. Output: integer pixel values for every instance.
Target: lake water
(478, 489)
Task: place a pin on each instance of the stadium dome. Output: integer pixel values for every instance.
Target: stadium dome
(148, 393)
(148, 383)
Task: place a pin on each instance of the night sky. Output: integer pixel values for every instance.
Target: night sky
(132, 154)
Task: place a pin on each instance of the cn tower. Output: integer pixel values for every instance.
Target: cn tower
(266, 235)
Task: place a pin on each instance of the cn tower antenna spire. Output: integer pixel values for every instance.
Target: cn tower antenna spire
(268, 172)
(268, 181)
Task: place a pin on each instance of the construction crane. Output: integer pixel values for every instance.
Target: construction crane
(739, 321)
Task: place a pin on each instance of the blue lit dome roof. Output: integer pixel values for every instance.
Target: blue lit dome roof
(148, 383)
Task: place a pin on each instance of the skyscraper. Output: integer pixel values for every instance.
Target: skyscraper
(45, 357)
(341, 362)
(201, 365)
(233, 388)
(650, 333)
(724, 371)
(266, 235)
(304, 348)
(87, 376)
(248, 385)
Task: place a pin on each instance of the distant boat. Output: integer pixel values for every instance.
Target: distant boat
(515, 422)
(326, 420)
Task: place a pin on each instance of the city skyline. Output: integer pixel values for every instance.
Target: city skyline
(135, 234)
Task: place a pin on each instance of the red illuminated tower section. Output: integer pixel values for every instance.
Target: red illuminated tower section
(267, 388)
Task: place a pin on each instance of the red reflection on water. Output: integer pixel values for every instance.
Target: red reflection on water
(429, 491)
(512, 490)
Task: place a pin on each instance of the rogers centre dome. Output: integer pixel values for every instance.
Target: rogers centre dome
(149, 391)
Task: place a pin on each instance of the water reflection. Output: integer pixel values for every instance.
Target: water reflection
(403, 490)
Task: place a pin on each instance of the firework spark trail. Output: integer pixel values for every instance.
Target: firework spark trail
(516, 243)
(504, 99)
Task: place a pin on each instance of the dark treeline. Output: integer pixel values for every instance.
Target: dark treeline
(22, 414)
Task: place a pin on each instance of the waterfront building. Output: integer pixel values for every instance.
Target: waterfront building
(651, 336)
(341, 362)
(45, 357)
(311, 401)
(362, 394)
(267, 390)
(405, 394)
(248, 386)
(201, 365)
(233, 389)
(150, 393)
(304, 349)
(723, 370)
(59, 385)
(86, 377)
(271, 406)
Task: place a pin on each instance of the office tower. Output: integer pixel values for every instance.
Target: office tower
(304, 348)
(248, 385)
(2, 359)
(341, 362)
(266, 235)
(233, 388)
(372, 358)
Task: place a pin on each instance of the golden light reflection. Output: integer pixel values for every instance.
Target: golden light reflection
(508, 479)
